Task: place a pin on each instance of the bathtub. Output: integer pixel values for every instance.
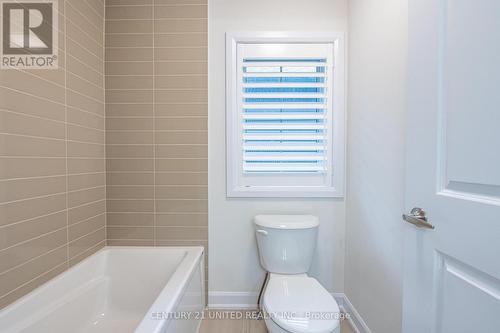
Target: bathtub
(117, 289)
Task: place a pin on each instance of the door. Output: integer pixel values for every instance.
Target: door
(452, 272)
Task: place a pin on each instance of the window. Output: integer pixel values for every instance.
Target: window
(285, 115)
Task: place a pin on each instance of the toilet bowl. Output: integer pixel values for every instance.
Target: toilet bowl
(292, 301)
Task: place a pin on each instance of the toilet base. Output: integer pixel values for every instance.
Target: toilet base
(272, 327)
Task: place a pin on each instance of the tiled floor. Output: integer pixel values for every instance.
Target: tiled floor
(238, 323)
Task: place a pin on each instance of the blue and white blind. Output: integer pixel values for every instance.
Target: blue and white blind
(284, 114)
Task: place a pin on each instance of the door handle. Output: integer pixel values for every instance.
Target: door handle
(417, 217)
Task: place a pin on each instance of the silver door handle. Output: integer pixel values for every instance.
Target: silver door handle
(417, 217)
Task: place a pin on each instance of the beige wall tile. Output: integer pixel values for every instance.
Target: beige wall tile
(17, 211)
(181, 137)
(130, 178)
(18, 123)
(182, 165)
(85, 196)
(14, 145)
(23, 252)
(128, 2)
(78, 67)
(76, 259)
(156, 122)
(134, 205)
(130, 192)
(121, 165)
(78, 182)
(130, 219)
(95, 19)
(129, 96)
(129, 151)
(121, 41)
(19, 189)
(132, 82)
(86, 242)
(182, 151)
(181, 123)
(24, 231)
(18, 101)
(24, 167)
(135, 232)
(85, 87)
(86, 211)
(130, 137)
(172, 26)
(180, 2)
(85, 134)
(181, 192)
(86, 165)
(87, 119)
(194, 11)
(129, 110)
(82, 149)
(87, 226)
(53, 139)
(182, 233)
(181, 178)
(129, 124)
(181, 82)
(181, 205)
(33, 85)
(130, 242)
(129, 68)
(23, 290)
(172, 40)
(129, 12)
(130, 54)
(129, 26)
(187, 110)
(22, 274)
(185, 219)
(181, 68)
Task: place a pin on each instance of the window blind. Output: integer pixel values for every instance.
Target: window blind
(284, 106)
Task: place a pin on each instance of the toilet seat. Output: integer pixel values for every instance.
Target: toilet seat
(300, 304)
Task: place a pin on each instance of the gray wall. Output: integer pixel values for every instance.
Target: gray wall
(376, 135)
(234, 264)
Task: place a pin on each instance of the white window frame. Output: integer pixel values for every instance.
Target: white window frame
(233, 135)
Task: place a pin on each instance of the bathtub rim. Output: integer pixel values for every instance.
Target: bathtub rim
(176, 286)
(195, 253)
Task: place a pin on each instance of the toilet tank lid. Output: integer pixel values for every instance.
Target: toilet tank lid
(287, 221)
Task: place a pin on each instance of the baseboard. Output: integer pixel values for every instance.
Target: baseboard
(232, 300)
(247, 300)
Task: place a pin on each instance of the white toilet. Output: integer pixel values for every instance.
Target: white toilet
(292, 301)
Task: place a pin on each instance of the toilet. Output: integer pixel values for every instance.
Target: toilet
(293, 302)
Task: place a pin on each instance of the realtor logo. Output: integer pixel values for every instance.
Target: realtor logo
(29, 34)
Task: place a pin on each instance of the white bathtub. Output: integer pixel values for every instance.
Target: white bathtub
(118, 289)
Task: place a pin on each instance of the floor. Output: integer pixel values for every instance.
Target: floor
(237, 322)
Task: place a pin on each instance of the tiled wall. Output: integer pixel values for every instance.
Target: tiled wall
(156, 122)
(52, 166)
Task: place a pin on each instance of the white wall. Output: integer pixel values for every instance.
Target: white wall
(376, 135)
(234, 264)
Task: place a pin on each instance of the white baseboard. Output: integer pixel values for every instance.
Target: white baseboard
(357, 323)
(232, 300)
(248, 300)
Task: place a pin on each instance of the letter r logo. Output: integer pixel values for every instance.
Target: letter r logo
(27, 28)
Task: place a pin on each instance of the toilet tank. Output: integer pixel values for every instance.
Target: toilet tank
(286, 242)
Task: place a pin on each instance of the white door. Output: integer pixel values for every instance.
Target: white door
(452, 273)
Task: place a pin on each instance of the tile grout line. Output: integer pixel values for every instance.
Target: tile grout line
(154, 126)
(104, 126)
(66, 127)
